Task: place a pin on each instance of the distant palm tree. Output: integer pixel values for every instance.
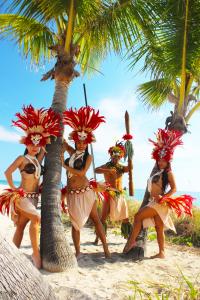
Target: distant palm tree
(74, 31)
(172, 56)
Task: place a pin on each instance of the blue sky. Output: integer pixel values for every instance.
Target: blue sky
(112, 93)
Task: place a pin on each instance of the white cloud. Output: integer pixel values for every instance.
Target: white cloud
(8, 136)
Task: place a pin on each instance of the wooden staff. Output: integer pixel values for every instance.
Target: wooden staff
(130, 163)
(91, 148)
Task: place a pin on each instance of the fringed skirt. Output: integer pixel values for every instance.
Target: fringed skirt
(164, 212)
(80, 206)
(26, 206)
(118, 208)
(16, 202)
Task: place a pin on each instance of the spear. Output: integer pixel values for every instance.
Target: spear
(129, 153)
(91, 148)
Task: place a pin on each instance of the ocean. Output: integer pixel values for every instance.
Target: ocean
(139, 193)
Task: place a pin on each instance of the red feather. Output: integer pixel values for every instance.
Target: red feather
(85, 119)
(167, 141)
(181, 204)
(42, 122)
(9, 197)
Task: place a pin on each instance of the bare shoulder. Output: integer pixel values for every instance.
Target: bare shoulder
(17, 163)
(170, 176)
(20, 159)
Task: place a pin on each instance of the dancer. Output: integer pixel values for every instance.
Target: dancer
(81, 198)
(38, 126)
(114, 203)
(156, 212)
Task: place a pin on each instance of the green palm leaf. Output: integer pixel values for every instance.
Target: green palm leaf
(154, 93)
(33, 38)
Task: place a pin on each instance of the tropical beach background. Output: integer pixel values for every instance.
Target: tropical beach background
(112, 92)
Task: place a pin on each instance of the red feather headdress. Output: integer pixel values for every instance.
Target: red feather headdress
(38, 124)
(117, 150)
(83, 121)
(167, 140)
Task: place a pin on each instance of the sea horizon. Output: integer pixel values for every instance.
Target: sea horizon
(138, 193)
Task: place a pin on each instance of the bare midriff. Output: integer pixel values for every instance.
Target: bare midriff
(156, 189)
(77, 182)
(29, 183)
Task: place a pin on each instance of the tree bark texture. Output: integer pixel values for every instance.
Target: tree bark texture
(19, 279)
(55, 250)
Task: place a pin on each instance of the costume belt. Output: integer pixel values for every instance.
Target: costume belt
(81, 190)
(32, 195)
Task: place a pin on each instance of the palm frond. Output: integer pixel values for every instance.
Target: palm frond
(33, 38)
(113, 26)
(154, 93)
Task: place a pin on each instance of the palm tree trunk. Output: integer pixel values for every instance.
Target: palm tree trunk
(138, 252)
(55, 250)
(19, 279)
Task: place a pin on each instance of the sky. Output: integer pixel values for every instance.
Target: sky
(112, 93)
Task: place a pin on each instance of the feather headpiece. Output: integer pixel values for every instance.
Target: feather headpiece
(117, 150)
(83, 122)
(167, 141)
(38, 124)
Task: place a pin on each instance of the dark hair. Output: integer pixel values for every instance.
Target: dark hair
(165, 181)
(84, 156)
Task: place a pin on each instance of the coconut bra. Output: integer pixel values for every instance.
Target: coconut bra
(30, 168)
(33, 167)
(78, 163)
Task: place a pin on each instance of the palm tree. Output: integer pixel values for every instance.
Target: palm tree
(74, 31)
(172, 56)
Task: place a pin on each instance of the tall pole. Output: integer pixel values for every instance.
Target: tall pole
(91, 148)
(130, 162)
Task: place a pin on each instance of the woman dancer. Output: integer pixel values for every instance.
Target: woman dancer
(38, 126)
(156, 212)
(81, 199)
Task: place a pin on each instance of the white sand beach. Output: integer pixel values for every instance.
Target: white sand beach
(100, 278)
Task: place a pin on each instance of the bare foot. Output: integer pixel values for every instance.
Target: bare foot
(107, 254)
(159, 255)
(79, 255)
(96, 241)
(129, 246)
(36, 259)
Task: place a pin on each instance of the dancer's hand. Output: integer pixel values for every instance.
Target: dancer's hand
(113, 171)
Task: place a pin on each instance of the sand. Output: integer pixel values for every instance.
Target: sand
(100, 278)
